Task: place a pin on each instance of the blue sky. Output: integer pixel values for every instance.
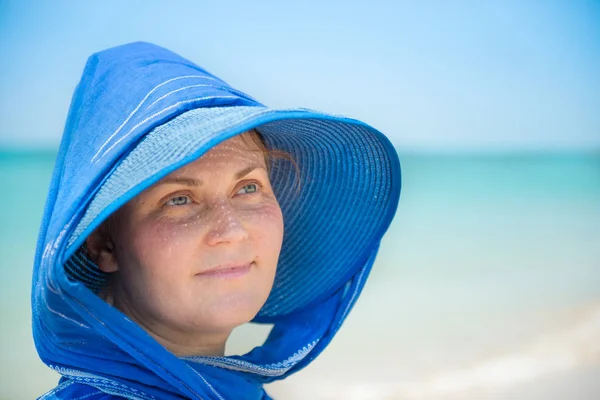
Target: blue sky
(432, 75)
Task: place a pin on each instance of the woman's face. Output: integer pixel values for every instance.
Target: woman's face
(197, 251)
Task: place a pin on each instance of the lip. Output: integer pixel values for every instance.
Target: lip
(227, 271)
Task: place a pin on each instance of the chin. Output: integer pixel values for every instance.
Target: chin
(230, 315)
(224, 323)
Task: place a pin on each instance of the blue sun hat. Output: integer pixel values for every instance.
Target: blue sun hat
(140, 112)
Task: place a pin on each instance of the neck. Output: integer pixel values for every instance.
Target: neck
(213, 346)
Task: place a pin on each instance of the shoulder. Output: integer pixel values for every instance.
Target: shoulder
(70, 390)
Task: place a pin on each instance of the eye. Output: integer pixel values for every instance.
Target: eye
(248, 189)
(178, 201)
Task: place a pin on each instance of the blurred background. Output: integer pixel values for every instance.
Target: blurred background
(487, 285)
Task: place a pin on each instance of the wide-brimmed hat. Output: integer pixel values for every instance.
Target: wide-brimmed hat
(349, 178)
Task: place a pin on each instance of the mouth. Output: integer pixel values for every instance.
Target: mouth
(227, 271)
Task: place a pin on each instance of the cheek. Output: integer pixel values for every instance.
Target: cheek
(159, 242)
(266, 227)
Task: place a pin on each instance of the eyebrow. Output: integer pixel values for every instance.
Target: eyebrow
(181, 180)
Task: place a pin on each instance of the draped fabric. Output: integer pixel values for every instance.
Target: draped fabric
(139, 112)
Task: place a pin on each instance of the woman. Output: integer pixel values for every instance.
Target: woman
(181, 208)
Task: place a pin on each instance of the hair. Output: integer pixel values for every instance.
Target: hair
(254, 137)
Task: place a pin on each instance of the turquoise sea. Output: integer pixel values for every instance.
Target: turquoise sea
(487, 285)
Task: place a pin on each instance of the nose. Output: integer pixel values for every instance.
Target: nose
(225, 226)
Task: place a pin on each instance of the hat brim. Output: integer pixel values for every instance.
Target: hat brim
(350, 187)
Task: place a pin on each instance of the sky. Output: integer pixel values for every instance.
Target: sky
(432, 75)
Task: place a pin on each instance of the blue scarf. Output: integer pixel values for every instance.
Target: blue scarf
(90, 342)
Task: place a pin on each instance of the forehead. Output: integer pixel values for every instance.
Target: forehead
(236, 151)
